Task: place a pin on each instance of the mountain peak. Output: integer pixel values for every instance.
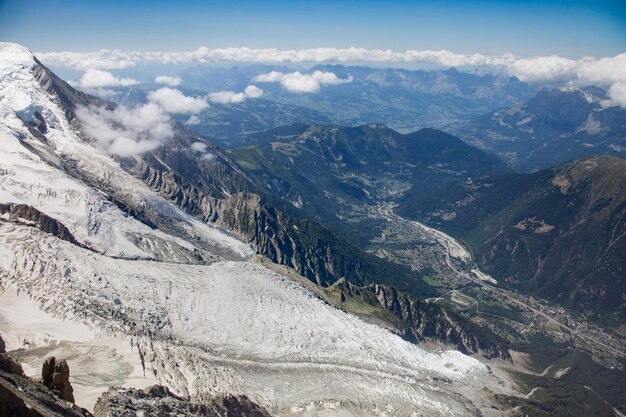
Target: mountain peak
(12, 54)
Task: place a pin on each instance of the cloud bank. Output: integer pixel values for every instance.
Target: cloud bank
(116, 59)
(604, 72)
(168, 80)
(302, 83)
(224, 97)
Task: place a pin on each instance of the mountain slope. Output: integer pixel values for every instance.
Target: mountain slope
(559, 233)
(332, 171)
(555, 126)
(115, 272)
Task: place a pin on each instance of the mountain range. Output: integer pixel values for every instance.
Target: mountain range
(145, 266)
(556, 126)
(300, 271)
(405, 100)
(334, 172)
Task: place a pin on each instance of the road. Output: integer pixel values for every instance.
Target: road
(455, 249)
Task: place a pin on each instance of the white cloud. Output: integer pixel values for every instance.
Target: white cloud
(227, 97)
(617, 93)
(126, 131)
(544, 69)
(329, 78)
(201, 147)
(94, 79)
(168, 80)
(103, 59)
(604, 72)
(173, 101)
(252, 91)
(270, 77)
(223, 97)
(193, 120)
(302, 83)
(198, 147)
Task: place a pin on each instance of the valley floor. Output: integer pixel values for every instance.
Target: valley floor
(519, 318)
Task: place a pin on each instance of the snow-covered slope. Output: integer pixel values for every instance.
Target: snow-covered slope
(182, 305)
(35, 179)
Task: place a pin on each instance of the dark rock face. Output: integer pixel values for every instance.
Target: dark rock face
(311, 249)
(21, 396)
(8, 365)
(423, 320)
(25, 213)
(65, 95)
(159, 401)
(429, 320)
(56, 376)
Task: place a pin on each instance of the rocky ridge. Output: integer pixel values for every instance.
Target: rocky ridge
(158, 400)
(420, 320)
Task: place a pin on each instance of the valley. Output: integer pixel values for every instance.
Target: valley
(532, 315)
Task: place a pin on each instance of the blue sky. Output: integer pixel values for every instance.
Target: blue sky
(568, 28)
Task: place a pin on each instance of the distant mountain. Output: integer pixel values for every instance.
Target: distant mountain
(555, 126)
(229, 124)
(332, 171)
(402, 99)
(559, 233)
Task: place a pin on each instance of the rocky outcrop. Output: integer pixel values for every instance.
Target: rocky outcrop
(159, 401)
(422, 320)
(23, 213)
(56, 376)
(313, 250)
(21, 396)
(430, 320)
